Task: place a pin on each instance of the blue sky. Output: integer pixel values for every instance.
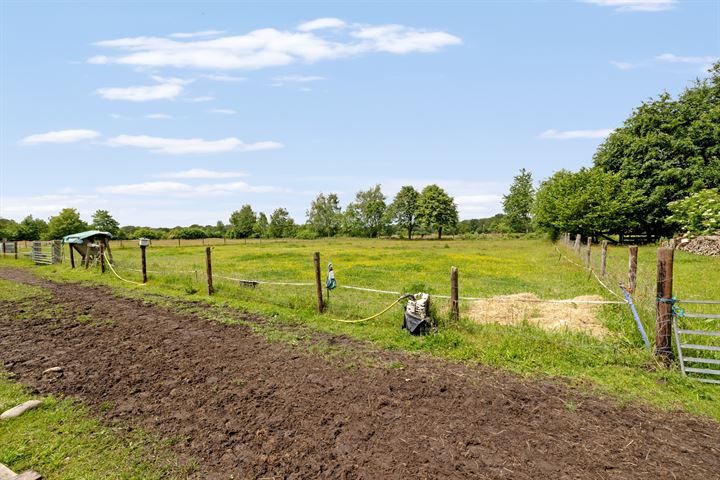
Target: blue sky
(168, 114)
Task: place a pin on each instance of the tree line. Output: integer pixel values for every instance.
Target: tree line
(369, 215)
(657, 175)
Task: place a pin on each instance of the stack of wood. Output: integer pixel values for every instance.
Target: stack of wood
(708, 245)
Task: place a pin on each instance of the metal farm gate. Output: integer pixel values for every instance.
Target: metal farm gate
(46, 253)
(697, 336)
(9, 248)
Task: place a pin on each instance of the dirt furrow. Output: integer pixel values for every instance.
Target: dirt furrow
(250, 408)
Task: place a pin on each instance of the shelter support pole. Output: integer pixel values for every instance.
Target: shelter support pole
(72, 255)
(102, 258)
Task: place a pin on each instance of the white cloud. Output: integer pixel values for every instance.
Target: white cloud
(60, 136)
(149, 188)
(183, 146)
(158, 116)
(184, 189)
(400, 39)
(224, 78)
(575, 134)
(225, 188)
(203, 98)
(672, 58)
(202, 33)
(702, 61)
(269, 47)
(41, 206)
(298, 78)
(167, 89)
(223, 111)
(635, 5)
(624, 65)
(321, 23)
(202, 173)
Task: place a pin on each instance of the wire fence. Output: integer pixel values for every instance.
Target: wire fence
(270, 279)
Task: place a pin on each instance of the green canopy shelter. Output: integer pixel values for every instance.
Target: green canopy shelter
(87, 244)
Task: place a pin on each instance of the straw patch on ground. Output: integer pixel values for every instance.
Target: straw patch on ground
(527, 307)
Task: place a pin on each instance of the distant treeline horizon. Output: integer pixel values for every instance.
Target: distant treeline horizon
(429, 212)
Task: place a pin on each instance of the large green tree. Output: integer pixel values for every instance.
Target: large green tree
(261, 227)
(281, 225)
(324, 215)
(8, 228)
(367, 213)
(147, 232)
(102, 220)
(517, 204)
(588, 202)
(437, 209)
(404, 209)
(242, 222)
(66, 222)
(31, 228)
(669, 148)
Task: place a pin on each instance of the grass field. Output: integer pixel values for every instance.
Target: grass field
(61, 440)
(617, 364)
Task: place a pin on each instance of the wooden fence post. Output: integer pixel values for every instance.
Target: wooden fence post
(143, 263)
(577, 243)
(102, 258)
(632, 268)
(16, 249)
(454, 295)
(318, 282)
(587, 253)
(208, 265)
(603, 257)
(663, 318)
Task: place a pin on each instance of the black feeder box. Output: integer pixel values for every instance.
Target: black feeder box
(416, 325)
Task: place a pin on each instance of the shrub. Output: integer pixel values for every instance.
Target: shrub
(698, 214)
